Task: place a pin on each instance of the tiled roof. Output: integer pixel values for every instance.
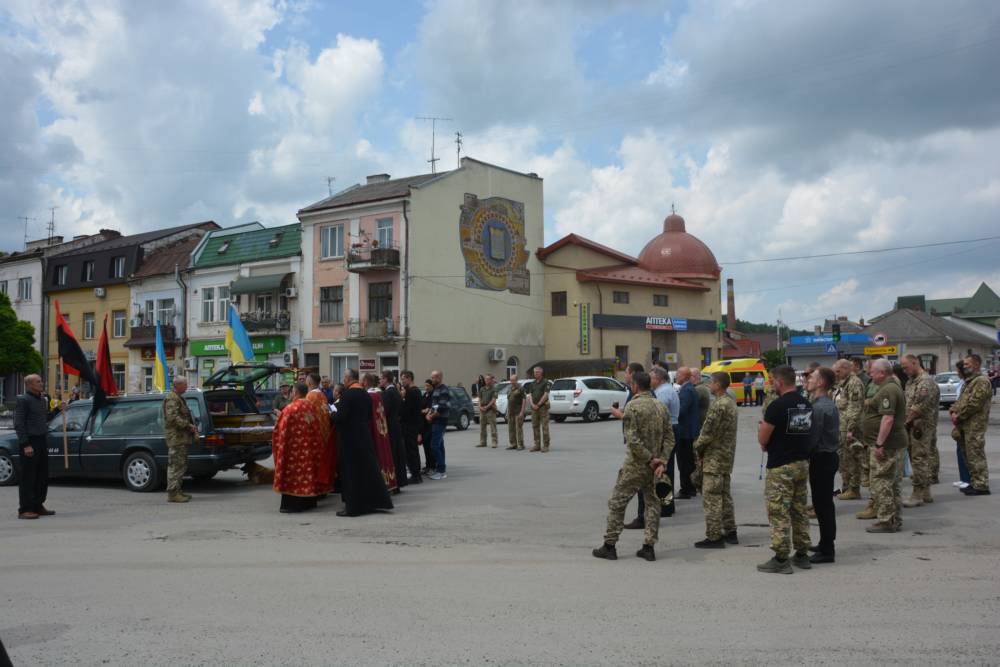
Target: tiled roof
(136, 239)
(636, 275)
(583, 242)
(361, 194)
(251, 246)
(163, 260)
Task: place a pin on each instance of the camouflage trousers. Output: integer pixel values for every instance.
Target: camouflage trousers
(886, 480)
(176, 467)
(786, 490)
(850, 464)
(540, 427)
(630, 478)
(866, 454)
(488, 419)
(973, 445)
(921, 459)
(935, 458)
(717, 501)
(515, 431)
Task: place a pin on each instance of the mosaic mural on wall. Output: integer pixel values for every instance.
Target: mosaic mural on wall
(494, 245)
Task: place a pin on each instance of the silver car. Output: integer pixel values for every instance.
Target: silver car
(948, 386)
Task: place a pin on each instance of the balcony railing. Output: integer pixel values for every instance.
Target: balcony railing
(373, 330)
(373, 258)
(145, 335)
(266, 321)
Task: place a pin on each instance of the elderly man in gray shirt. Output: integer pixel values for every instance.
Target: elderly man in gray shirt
(823, 460)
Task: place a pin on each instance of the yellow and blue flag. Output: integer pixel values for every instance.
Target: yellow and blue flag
(237, 339)
(161, 378)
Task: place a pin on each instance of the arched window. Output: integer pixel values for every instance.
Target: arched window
(511, 366)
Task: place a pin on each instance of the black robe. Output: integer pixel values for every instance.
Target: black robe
(392, 403)
(361, 485)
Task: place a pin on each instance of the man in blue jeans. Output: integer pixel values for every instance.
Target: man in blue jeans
(438, 417)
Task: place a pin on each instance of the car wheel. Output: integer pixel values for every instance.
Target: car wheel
(591, 412)
(559, 419)
(140, 472)
(464, 421)
(8, 476)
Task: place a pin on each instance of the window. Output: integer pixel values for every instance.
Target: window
(224, 247)
(621, 356)
(331, 304)
(149, 318)
(88, 325)
(383, 230)
(76, 419)
(706, 356)
(165, 311)
(264, 303)
(147, 379)
(511, 366)
(88, 271)
(332, 241)
(118, 373)
(62, 272)
(660, 300)
(558, 303)
(207, 304)
(118, 318)
(24, 289)
(118, 267)
(130, 418)
(224, 302)
(3, 286)
(379, 301)
(619, 297)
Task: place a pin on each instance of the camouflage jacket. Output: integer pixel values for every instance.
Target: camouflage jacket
(716, 446)
(647, 431)
(972, 410)
(849, 397)
(922, 398)
(177, 420)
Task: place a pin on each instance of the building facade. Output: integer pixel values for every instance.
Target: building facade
(606, 309)
(427, 272)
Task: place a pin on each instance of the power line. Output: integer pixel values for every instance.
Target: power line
(859, 252)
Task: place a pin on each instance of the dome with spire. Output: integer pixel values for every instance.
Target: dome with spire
(677, 253)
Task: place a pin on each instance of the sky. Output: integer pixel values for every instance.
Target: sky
(777, 129)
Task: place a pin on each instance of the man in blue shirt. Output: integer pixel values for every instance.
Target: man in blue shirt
(686, 431)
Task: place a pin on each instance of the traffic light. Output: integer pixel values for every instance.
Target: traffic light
(836, 332)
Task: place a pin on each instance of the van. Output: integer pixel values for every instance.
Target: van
(737, 369)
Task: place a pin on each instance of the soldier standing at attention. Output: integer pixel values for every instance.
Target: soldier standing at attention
(704, 395)
(515, 414)
(715, 449)
(849, 397)
(540, 411)
(488, 410)
(180, 432)
(883, 430)
(647, 449)
(971, 415)
(922, 398)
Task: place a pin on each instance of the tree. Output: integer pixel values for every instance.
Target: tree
(774, 358)
(17, 342)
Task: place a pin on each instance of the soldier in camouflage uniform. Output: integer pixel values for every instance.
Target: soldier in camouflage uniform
(971, 415)
(648, 444)
(886, 448)
(849, 397)
(715, 449)
(488, 411)
(870, 389)
(515, 414)
(922, 398)
(540, 411)
(180, 432)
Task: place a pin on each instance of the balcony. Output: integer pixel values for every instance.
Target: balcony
(373, 330)
(373, 258)
(266, 321)
(145, 335)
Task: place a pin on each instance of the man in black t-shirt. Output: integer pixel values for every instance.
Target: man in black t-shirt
(784, 435)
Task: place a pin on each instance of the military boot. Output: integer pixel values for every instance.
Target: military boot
(916, 498)
(731, 538)
(850, 494)
(928, 498)
(646, 552)
(801, 560)
(868, 512)
(882, 527)
(775, 566)
(606, 551)
(178, 498)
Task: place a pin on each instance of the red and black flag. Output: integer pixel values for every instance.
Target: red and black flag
(104, 375)
(74, 361)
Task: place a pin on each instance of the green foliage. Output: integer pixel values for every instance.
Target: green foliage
(17, 341)
(774, 358)
(752, 327)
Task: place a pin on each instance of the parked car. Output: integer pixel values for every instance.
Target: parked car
(462, 408)
(948, 386)
(503, 388)
(589, 397)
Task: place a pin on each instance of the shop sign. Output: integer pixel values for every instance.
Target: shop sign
(262, 345)
(667, 323)
(367, 365)
(584, 328)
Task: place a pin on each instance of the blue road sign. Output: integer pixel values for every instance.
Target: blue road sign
(831, 348)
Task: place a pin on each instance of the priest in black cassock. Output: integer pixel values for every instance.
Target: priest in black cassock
(392, 402)
(361, 485)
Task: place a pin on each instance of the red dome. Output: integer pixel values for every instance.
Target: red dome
(677, 253)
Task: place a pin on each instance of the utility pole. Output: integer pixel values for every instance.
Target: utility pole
(26, 219)
(52, 223)
(433, 120)
(458, 150)
(329, 184)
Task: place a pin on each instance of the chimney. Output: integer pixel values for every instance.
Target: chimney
(730, 305)
(378, 178)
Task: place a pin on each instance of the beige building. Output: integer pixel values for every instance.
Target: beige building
(607, 308)
(430, 271)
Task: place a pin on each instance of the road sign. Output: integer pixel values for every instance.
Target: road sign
(880, 339)
(831, 348)
(885, 350)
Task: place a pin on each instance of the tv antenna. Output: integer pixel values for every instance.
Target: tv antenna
(458, 150)
(26, 219)
(52, 223)
(433, 120)
(329, 184)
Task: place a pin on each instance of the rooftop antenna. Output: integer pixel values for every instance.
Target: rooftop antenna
(672, 209)
(458, 150)
(329, 184)
(26, 219)
(433, 120)
(52, 223)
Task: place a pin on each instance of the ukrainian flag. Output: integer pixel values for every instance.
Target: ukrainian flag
(161, 378)
(237, 340)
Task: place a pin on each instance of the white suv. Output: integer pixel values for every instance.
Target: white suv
(589, 397)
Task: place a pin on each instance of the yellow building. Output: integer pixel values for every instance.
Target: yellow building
(607, 308)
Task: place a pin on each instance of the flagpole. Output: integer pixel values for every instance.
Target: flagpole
(65, 436)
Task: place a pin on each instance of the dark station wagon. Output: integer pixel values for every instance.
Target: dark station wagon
(124, 438)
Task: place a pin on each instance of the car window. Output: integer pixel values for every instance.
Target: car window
(76, 419)
(611, 385)
(460, 393)
(737, 376)
(130, 418)
(563, 385)
(594, 383)
(941, 378)
(195, 407)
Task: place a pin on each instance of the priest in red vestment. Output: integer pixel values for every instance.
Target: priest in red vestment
(301, 468)
(380, 434)
(317, 399)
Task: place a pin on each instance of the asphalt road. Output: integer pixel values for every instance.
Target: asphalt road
(491, 566)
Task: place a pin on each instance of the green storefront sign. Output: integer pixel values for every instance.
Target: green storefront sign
(262, 347)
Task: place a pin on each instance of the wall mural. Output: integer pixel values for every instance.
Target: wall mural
(494, 245)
